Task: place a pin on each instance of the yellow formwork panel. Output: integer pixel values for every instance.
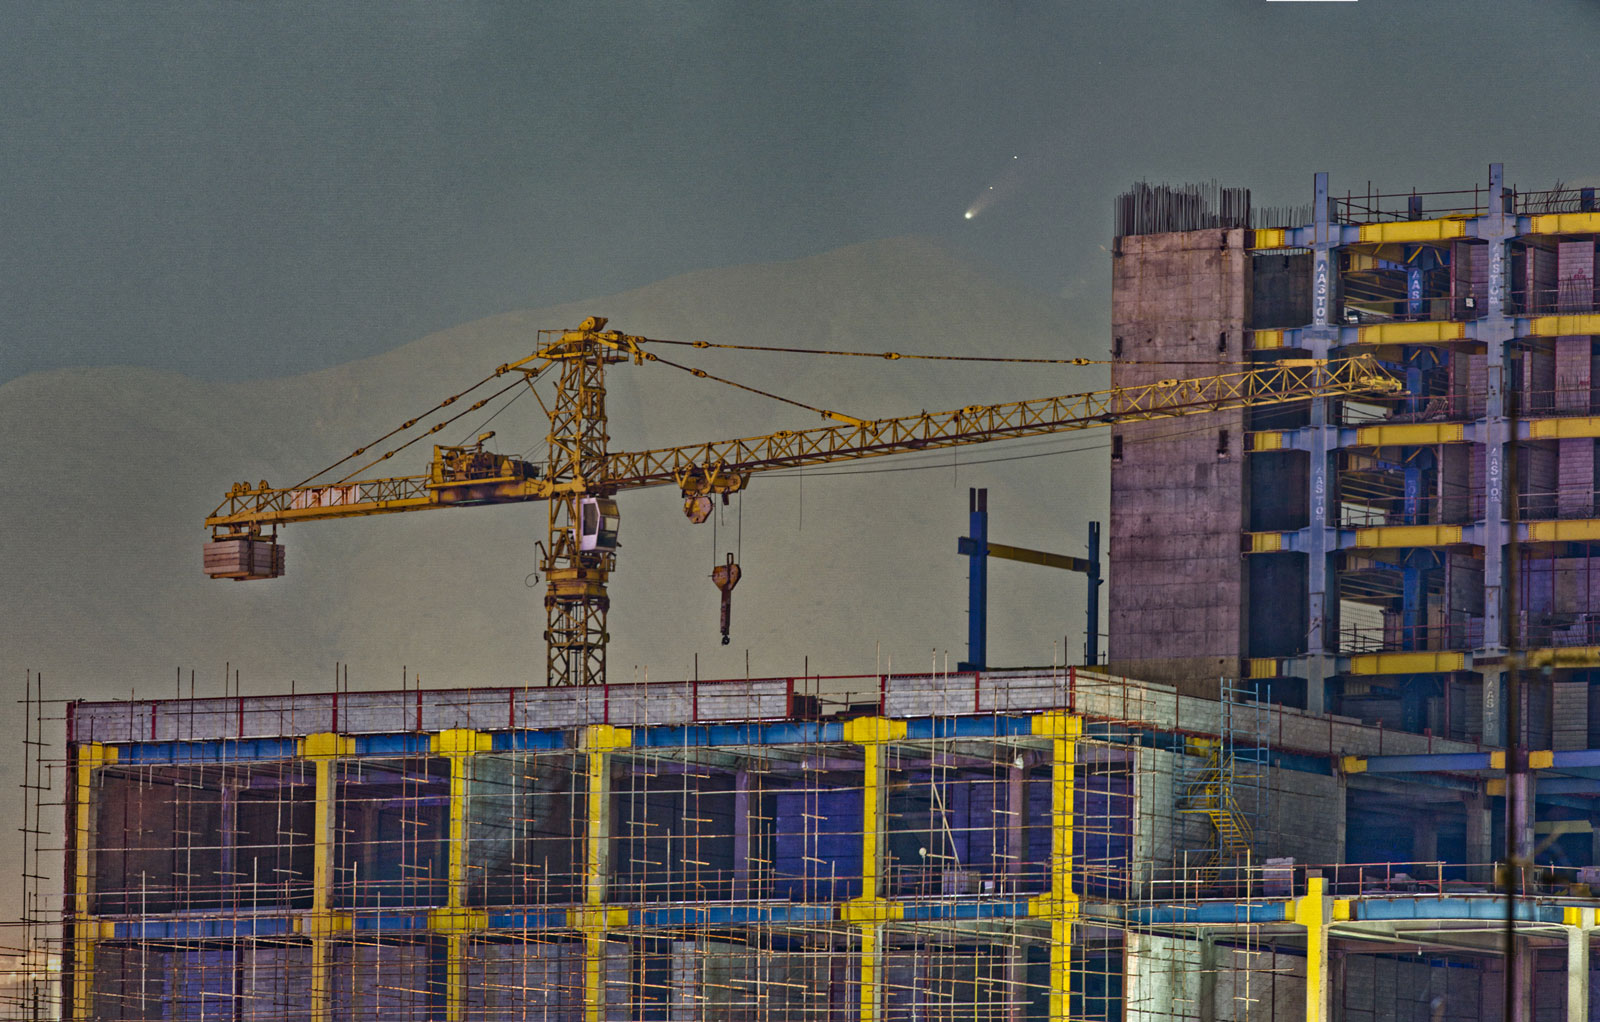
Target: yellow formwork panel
(1575, 427)
(1263, 667)
(1408, 434)
(1268, 237)
(1566, 223)
(1266, 440)
(1563, 657)
(1381, 537)
(1576, 324)
(1422, 332)
(1442, 229)
(1266, 340)
(1417, 662)
(1265, 542)
(1576, 530)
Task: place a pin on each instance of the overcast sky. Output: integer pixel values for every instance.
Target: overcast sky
(247, 190)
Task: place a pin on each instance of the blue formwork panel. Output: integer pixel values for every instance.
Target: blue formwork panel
(389, 922)
(791, 732)
(1007, 908)
(1217, 913)
(529, 741)
(1096, 992)
(229, 750)
(1102, 835)
(734, 915)
(531, 919)
(817, 844)
(1486, 908)
(199, 980)
(927, 728)
(407, 744)
(202, 929)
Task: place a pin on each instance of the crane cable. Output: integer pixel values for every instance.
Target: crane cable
(702, 374)
(896, 355)
(447, 402)
(429, 432)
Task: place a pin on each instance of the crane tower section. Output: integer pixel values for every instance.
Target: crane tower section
(581, 543)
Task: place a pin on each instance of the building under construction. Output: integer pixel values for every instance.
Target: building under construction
(1342, 632)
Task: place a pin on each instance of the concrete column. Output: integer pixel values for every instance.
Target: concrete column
(1424, 839)
(1016, 976)
(1338, 969)
(228, 836)
(1519, 823)
(1206, 998)
(1479, 838)
(1580, 921)
(742, 803)
(1522, 983)
(1016, 810)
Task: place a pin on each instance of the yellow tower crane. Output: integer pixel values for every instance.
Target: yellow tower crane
(582, 476)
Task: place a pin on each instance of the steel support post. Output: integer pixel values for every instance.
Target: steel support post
(456, 921)
(323, 750)
(85, 929)
(869, 911)
(1314, 912)
(1060, 903)
(1496, 330)
(1320, 337)
(1091, 634)
(977, 581)
(598, 743)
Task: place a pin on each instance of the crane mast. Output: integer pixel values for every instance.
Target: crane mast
(575, 599)
(582, 476)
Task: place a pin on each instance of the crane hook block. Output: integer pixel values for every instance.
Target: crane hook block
(726, 576)
(697, 509)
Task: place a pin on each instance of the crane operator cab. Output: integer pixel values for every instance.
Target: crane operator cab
(598, 521)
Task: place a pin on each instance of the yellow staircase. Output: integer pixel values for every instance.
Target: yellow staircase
(1208, 795)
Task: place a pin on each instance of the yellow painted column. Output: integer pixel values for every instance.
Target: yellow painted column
(870, 910)
(598, 742)
(1060, 903)
(1315, 911)
(85, 929)
(456, 921)
(323, 749)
